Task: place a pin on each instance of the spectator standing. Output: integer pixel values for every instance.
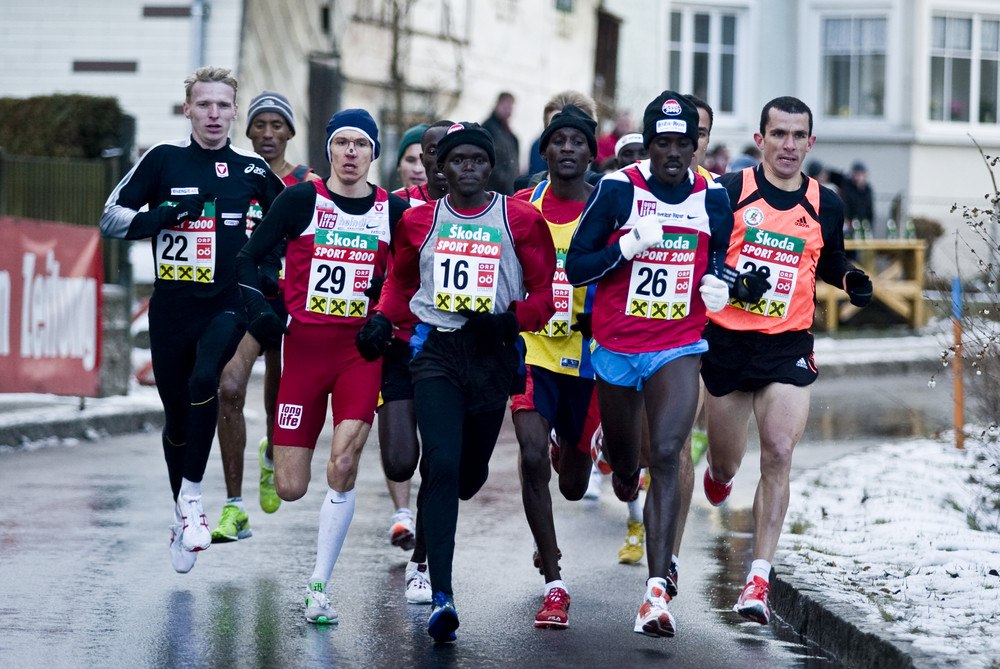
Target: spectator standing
(506, 145)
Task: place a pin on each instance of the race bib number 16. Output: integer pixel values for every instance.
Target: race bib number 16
(466, 267)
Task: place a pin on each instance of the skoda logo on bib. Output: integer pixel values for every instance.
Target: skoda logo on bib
(671, 107)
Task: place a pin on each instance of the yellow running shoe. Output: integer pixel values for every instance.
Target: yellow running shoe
(269, 500)
(632, 551)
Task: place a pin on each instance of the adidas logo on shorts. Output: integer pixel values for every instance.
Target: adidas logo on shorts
(801, 362)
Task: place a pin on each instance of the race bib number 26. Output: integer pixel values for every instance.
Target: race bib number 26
(660, 285)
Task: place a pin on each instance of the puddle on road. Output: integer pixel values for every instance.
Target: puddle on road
(732, 552)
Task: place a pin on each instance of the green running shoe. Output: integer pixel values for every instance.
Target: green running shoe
(318, 607)
(269, 500)
(699, 442)
(233, 525)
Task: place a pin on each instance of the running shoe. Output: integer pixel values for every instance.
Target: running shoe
(418, 583)
(554, 613)
(597, 452)
(716, 492)
(444, 618)
(752, 603)
(269, 500)
(318, 607)
(672, 580)
(536, 559)
(594, 485)
(182, 560)
(654, 619)
(699, 442)
(554, 450)
(233, 525)
(627, 490)
(195, 535)
(402, 532)
(632, 551)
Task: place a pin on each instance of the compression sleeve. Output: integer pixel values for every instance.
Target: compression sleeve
(537, 256)
(589, 256)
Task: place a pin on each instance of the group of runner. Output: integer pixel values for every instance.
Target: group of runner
(601, 313)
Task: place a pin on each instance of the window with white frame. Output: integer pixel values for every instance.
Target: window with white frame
(702, 54)
(965, 68)
(853, 54)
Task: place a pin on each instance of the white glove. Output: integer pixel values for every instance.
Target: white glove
(647, 232)
(714, 292)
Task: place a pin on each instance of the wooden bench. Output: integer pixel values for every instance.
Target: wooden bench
(896, 267)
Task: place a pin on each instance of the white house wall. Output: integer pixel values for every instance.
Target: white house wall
(41, 41)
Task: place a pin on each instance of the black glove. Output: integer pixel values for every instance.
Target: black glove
(188, 209)
(491, 331)
(749, 286)
(266, 328)
(584, 325)
(267, 277)
(858, 287)
(374, 290)
(374, 337)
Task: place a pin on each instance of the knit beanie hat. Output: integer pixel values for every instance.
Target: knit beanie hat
(466, 133)
(669, 112)
(358, 120)
(411, 136)
(269, 101)
(571, 116)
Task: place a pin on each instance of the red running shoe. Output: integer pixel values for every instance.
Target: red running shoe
(716, 492)
(554, 613)
(752, 603)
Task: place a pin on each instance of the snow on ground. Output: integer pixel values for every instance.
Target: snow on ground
(890, 532)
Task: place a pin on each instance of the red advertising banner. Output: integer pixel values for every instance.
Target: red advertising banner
(50, 308)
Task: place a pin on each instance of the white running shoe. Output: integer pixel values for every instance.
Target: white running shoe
(402, 532)
(594, 485)
(654, 619)
(318, 607)
(418, 584)
(195, 535)
(182, 560)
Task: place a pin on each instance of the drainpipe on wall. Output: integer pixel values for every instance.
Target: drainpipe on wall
(199, 18)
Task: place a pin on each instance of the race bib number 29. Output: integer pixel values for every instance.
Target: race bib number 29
(340, 272)
(466, 267)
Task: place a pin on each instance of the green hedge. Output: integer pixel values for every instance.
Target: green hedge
(59, 126)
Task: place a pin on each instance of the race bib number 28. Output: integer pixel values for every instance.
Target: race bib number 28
(777, 257)
(466, 267)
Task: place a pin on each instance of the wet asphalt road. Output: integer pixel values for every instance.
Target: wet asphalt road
(86, 577)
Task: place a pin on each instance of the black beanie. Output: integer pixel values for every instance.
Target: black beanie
(571, 116)
(669, 112)
(466, 133)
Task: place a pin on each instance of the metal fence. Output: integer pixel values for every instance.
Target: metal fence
(63, 190)
(56, 189)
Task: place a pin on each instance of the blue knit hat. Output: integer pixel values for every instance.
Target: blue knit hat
(358, 120)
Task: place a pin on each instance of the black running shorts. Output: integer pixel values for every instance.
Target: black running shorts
(748, 361)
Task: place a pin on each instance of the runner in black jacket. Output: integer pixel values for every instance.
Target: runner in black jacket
(197, 192)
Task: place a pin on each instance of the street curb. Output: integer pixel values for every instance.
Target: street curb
(86, 426)
(825, 623)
